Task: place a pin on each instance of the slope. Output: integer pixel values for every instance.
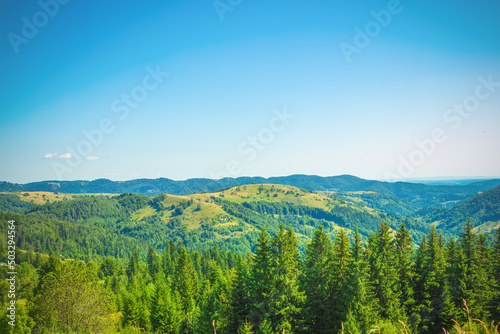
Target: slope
(230, 218)
(419, 195)
(376, 200)
(482, 209)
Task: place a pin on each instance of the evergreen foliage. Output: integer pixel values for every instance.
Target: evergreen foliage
(338, 285)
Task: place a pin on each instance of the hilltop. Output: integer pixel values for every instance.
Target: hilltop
(418, 195)
(230, 218)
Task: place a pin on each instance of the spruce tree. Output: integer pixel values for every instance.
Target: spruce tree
(51, 265)
(436, 308)
(405, 270)
(135, 310)
(341, 258)
(482, 289)
(165, 310)
(362, 310)
(133, 264)
(215, 299)
(494, 302)
(357, 249)
(261, 280)
(469, 246)
(208, 308)
(239, 301)
(316, 284)
(456, 277)
(168, 264)
(153, 262)
(286, 296)
(383, 275)
(185, 281)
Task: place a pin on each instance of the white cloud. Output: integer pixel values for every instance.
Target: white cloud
(64, 156)
(49, 155)
(91, 157)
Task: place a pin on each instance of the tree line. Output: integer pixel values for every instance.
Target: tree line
(338, 286)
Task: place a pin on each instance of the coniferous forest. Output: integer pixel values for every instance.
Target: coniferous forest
(386, 284)
(249, 167)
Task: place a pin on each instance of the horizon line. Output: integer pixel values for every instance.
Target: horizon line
(428, 178)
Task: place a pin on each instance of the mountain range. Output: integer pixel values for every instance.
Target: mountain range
(230, 212)
(418, 193)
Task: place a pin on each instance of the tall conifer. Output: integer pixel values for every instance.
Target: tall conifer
(316, 282)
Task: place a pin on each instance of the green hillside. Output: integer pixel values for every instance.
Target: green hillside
(419, 195)
(13, 203)
(376, 200)
(67, 240)
(483, 210)
(230, 218)
(181, 264)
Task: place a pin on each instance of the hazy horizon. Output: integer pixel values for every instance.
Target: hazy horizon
(444, 179)
(384, 90)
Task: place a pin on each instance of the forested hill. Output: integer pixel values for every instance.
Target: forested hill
(418, 194)
(483, 210)
(231, 218)
(177, 264)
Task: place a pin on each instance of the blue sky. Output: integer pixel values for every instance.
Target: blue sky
(258, 88)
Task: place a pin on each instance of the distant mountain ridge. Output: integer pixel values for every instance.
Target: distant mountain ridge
(233, 216)
(419, 194)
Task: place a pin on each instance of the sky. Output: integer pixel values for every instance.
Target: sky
(209, 89)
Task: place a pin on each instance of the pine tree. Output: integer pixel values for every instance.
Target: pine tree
(362, 310)
(208, 308)
(316, 284)
(133, 264)
(168, 264)
(135, 311)
(286, 296)
(494, 303)
(239, 302)
(153, 262)
(261, 280)
(341, 258)
(214, 302)
(185, 281)
(165, 311)
(482, 289)
(436, 308)
(357, 249)
(199, 267)
(405, 269)
(109, 267)
(456, 277)
(384, 277)
(469, 245)
(51, 265)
